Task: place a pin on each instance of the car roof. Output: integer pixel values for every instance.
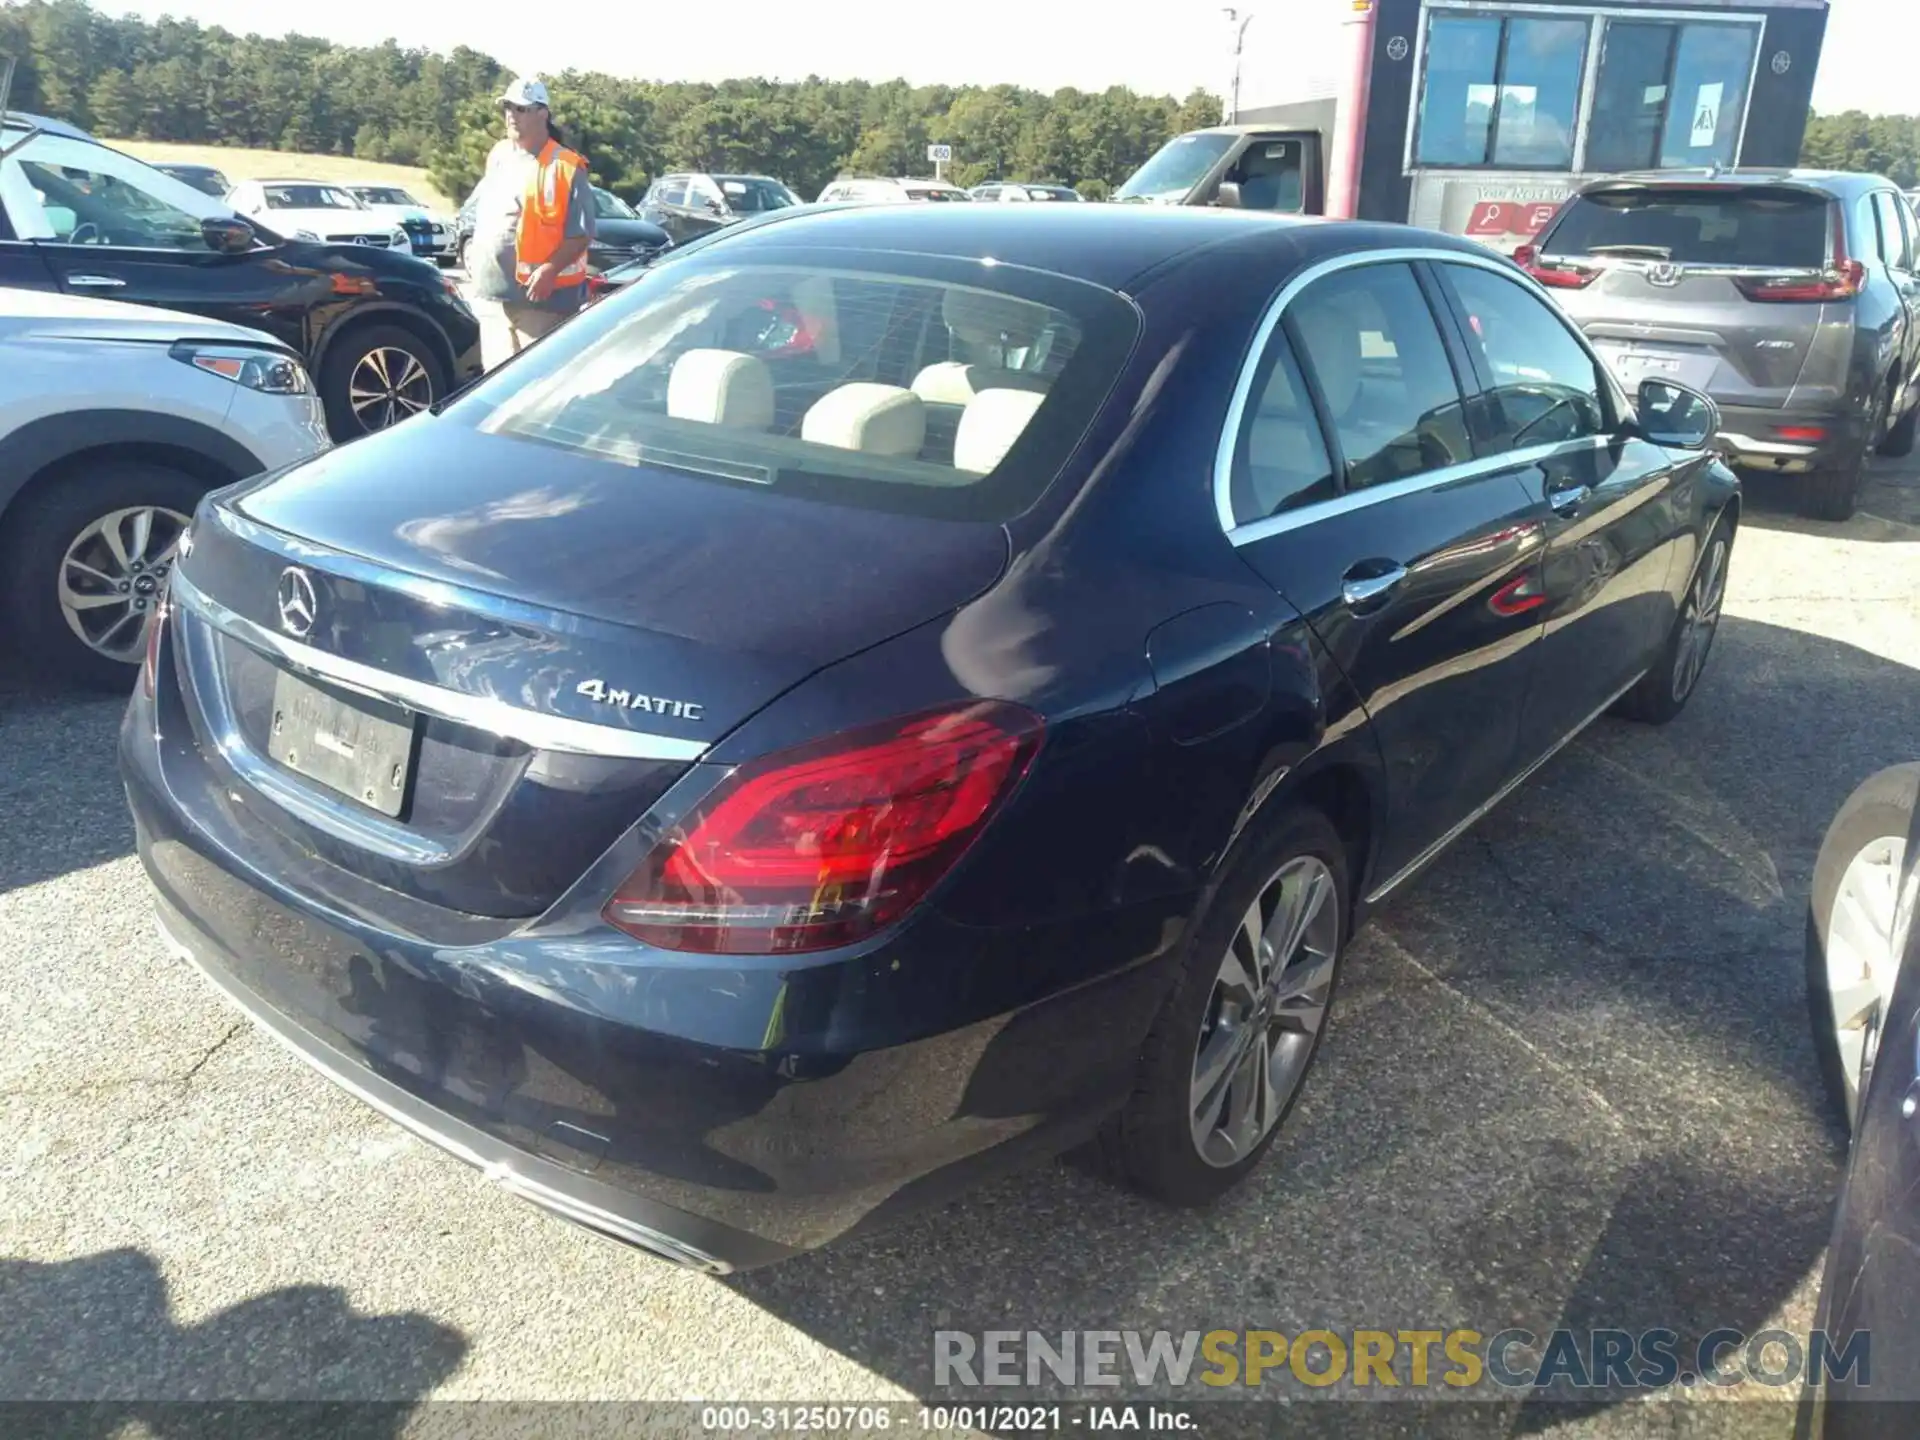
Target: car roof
(184, 165)
(20, 120)
(1107, 245)
(1834, 182)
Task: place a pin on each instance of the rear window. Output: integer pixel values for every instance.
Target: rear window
(1751, 227)
(906, 383)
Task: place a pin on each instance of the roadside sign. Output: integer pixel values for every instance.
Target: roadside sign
(1706, 115)
(939, 154)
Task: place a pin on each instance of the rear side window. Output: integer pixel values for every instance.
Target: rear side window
(905, 383)
(1726, 226)
(1387, 388)
(1546, 387)
(1895, 244)
(1281, 461)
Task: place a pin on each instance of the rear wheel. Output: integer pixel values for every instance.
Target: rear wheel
(82, 565)
(1856, 929)
(377, 376)
(1900, 438)
(1834, 494)
(1227, 1056)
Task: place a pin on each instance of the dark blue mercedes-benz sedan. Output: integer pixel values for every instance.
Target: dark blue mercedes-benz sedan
(897, 691)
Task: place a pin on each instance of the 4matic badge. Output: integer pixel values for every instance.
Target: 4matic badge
(600, 693)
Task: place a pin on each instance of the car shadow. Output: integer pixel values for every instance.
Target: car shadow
(94, 1344)
(1889, 505)
(1569, 1083)
(59, 787)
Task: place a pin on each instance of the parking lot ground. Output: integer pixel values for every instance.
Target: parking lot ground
(1568, 1083)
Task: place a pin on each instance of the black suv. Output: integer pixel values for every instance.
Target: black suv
(384, 334)
(685, 205)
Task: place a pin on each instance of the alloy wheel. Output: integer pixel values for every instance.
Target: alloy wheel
(1700, 619)
(388, 386)
(1268, 1005)
(112, 574)
(1866, 933)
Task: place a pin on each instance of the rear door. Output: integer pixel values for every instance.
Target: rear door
(705, 209)
(1612, 527)
(1894, 223)
(1356, 493)
(1664, 279)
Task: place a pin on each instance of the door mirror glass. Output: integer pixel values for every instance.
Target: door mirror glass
(227, 235)
(1227, 197)
(1677, 417)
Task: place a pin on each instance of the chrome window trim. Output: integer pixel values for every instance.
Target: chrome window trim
(482, 712)
(1244, 533)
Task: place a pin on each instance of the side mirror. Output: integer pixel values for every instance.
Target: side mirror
(1227, 197)
(228, 235)
(1674, 416)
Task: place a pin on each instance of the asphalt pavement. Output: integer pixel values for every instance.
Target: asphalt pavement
(1568, 1083)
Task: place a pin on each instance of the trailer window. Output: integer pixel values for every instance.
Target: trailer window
(1669, 94)
(1503, 93)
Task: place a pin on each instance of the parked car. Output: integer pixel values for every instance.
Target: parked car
(804, 789)
(383, 334)
(863, 191)
(620, 236)
(314, 211)
(1020, 191)
(1863, 987)
(114, 421)
(463, 232)
(428, 232)
(204, 178)
(1791, 297)
(685, 205)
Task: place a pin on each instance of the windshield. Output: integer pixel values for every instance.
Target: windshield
(1697, 227)
(309, 197)
(384, 195)
(609, 206)
(1179, 165)
(889, 381)
(749, 195)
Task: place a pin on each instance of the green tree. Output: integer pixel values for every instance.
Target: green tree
(116, 104)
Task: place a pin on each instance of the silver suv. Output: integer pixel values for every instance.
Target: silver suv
(1789, 296)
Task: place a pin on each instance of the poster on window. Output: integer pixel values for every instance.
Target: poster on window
(1503, 214)
(1706, 115)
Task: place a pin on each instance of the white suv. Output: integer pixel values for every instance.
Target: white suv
(114, 420)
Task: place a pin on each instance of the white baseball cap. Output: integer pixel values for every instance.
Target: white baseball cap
(526, 91)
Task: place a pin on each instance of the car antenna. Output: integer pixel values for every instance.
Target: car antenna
(6, 93)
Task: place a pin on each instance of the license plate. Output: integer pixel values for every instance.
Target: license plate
(356, 746)
(1632, 366)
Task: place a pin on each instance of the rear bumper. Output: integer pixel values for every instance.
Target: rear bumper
(1751, 439)
(720, 1113)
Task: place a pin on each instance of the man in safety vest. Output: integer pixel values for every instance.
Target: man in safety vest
(533, 221)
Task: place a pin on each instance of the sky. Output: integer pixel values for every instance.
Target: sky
(1155, 46)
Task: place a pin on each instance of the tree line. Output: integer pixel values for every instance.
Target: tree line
(175, 80)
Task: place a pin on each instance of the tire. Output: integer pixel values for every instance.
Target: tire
(52, 525)
(1871, 824)
(1662, 693)
(413, 375)
(1834, 494)
(1899, 439)
(1151, 1145)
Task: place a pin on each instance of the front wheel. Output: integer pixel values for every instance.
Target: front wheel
(1226, 1057)
(375, 377)
(1856, 929)
(83, 566)
(1664, 690)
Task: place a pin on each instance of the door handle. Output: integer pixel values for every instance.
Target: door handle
(1372, 582)
(1568, 499)
(98, 282)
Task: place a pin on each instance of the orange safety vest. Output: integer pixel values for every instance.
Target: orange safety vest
(543, 215)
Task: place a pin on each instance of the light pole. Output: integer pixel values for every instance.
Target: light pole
(1239, 20)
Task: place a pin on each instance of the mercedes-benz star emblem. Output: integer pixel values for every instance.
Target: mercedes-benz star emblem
(298, 605)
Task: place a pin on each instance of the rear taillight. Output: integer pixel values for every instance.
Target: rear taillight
(826, 844)
(1808, 434)
(1843, 279)
(1527, 257)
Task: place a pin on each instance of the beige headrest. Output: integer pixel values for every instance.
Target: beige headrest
(1332, 339)
(994, 419)
(721, 387)
(954, 382)
(982, 318)
(873, 419)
